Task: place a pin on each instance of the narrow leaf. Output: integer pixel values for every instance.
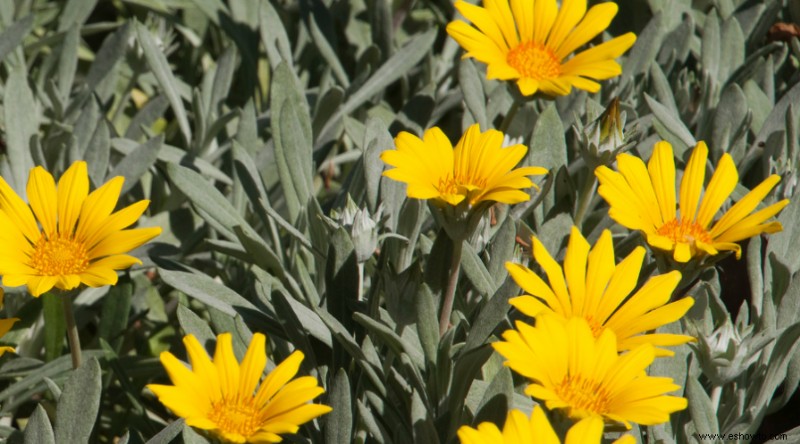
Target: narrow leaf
(161, 69)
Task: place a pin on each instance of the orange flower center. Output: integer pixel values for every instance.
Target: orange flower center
(460, 185)
(236, 416)
(534, 60)
(684, 231)
(596, 327)
(59, 256)
(583, 394)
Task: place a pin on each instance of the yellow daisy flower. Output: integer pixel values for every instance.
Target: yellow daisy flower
(644, 199)
(77, 238)
(478, 169)
(5, 326)
(597, 290)
(518, 429)
(530, 41)
(226, 399)
(570, 369)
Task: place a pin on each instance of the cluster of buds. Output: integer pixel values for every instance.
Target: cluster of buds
(362, 227)
(786, 167)
(728, 351)
(604, 137)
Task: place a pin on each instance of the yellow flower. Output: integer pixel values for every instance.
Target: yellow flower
(597, 290)
(226, 399)
(478, 169)
(531, 40)
(570, 369)
(644, 199)
(518, 429)
(80, 239)
(5, 326)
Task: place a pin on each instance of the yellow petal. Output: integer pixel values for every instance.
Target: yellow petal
(544, 15)
(575, 268)
(653, 294)
(42, 197)
(202, 367)
(182, 402)
(483, 21)
(594, 22)
(116, 222)
(523, 15)
(570, 13)
(227, 367)
(662, 175)
(477, 44)
(719, 188)
(604, 52)
(555, 87)
(97, 207)
(123, 241)
(743, 231)
(692, 185)
(639, 180)
(582, 83)
(747, 204)
(527, 86)
(622, 282)
(253, 364)
(6, 324)
(625, 207)
(585, 431)
(534, 285)
(279, 376)
(555, 275)
(600, 269)
(500, 11)
(17, 212)
(73, 187)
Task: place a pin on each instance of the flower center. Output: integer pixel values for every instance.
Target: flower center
(448, 185)
(236, 416)
(596, 327)
(583, 394)
(59, 256)
(684, 231)
(534, 60)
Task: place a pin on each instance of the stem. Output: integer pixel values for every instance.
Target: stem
(512, 112)
(72, 331)
(360, 267)
(716, 393)
(585, 199)
(447, 305)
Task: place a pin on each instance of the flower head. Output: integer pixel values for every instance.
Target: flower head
(596, 289)
(643, 198)
(518, 429)
(530, 41)
(477, 170)
(570, 369)
(5, 326)
(226, 399)
(77, 238)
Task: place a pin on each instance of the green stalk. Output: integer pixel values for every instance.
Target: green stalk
(72, 331)
(585, 199)
(512, 112)
(447, 304)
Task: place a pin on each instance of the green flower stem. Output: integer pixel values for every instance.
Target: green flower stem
(72, 331)
(716, 393)
(512, 112)
(447, 304)
(585, 199)
(360, 295)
